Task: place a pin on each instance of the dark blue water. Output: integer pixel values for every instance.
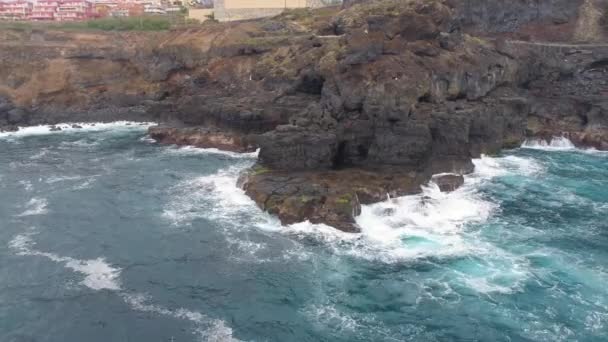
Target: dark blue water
(105, 236)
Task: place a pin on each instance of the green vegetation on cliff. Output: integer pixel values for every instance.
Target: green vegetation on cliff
(145, 23)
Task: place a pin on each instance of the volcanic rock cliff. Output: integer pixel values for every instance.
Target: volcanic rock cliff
(347, 104)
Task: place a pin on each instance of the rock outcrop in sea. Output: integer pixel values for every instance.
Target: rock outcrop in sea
(347, 105)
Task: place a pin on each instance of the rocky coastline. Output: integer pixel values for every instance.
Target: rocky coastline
(347, 105)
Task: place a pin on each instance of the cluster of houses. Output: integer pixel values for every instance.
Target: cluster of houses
(74, 10)
(222, 10)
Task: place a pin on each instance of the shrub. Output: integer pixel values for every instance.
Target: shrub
(130, 24)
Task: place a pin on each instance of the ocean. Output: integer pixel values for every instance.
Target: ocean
(106, 236)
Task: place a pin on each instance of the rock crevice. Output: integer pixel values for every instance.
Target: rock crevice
(399, 91)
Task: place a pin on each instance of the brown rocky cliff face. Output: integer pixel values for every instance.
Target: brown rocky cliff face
(346, 106)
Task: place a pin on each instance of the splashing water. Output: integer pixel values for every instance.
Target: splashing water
(162, 245)
(555, 144)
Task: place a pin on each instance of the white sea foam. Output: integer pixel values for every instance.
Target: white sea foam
(217, 194)
(437, 225)
(494, 271)
(248, 251)
(558, 144)
(209, 329)
(20, 244)
(329, 316)
(596, 321)
(188, 150)
(99, 275)
(147, 139)
(428, 224)
(487, 168)
(67, 127)
(431, 224)
(217, 197)
(555, 144)
(320, 232)
(78, 143)
(188, 196)
(43, 152)
(27, 185)
(57, 179)
(36, 206)
(86, 184)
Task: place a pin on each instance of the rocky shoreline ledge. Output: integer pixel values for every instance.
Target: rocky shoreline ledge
(203, 137)
(346, 104)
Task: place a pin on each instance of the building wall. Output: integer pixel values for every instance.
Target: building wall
(200, 14)
(230, 10)
(264, 4)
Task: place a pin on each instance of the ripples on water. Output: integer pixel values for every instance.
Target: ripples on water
(109, 237)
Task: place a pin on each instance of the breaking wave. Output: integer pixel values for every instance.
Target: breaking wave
(430, 225)
(217, 193)
(72, 127)
(558, 144)
(188, 150)
(555, 144)
(490, 253)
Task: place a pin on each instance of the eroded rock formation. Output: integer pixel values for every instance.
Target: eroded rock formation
(347, 105)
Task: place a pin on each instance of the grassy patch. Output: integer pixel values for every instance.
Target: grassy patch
(130, 24)
(344, 199)
(476, 40)
(144, 23)
(306, 199)
(260, 170)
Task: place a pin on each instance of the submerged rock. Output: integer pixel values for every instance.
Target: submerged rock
(448, 182)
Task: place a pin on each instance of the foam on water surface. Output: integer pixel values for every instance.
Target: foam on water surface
(437, 225)
(431, 224)
(555, 144)
(438, 260)
(329, 316)
(70, 127)
(559, 144)
(35, 206)
(208, 329)
(191, 150)
(99, 275)
(217, 197)
(428, 224)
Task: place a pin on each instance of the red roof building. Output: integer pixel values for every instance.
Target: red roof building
(16, 10)
(44, 10)
(70, 10)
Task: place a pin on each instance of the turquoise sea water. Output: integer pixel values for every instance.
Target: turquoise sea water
(105, 236)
